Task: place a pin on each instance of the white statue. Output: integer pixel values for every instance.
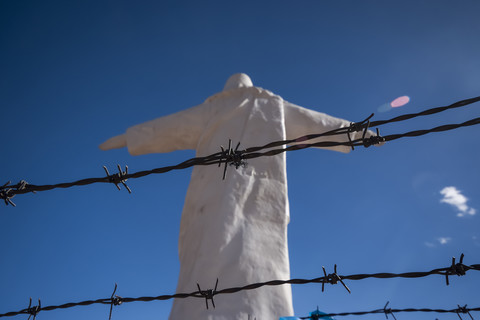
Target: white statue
(233, 229)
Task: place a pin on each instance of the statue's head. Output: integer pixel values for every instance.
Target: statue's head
(238, 80)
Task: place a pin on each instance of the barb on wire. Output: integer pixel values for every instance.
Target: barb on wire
(115, 301)
(316, 315)
(373, 140)
(456, 268)
(333, 278)
(463, 310)
(232, 157)
(367, 142)
(208, 294)
(33, 311)
(238, 158)
(387, 311)
(118, 177)
(7, 194)
(358, 126)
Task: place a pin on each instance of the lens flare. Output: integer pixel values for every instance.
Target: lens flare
(384, 107)
(400, 101)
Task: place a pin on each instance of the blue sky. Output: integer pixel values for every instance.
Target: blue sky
(74, 73)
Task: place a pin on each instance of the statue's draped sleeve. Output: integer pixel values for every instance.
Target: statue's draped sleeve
(178, 131)
(300, 121)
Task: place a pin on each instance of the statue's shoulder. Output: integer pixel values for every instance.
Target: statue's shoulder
(250, 92)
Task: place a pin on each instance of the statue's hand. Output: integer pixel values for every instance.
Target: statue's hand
(116, 142)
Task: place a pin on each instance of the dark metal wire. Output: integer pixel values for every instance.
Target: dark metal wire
(391, 311)
(455, 269)
(431, 111)
(237, 157)
(361, 142)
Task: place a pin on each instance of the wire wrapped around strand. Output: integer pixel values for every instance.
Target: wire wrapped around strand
(238, 158)
(210, 293)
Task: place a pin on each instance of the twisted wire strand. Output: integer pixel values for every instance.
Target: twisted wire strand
(363, 124)
(357, 142)
(387, 311)
(431, 111)
(8, 191)
(246, 154)
(454, 269)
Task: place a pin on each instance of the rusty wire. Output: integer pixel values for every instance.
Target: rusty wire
(455, 268)
(237, 157)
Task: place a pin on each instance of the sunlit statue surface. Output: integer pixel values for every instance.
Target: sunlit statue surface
(236, 229)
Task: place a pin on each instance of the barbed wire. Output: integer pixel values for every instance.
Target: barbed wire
(235, 157)
(316, 315)
(359, 126)
(458, 269)
(427, 112)
(366, 142)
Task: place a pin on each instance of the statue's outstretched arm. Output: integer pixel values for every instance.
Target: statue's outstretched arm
(116, 142)
(300, 121)
(176, 131)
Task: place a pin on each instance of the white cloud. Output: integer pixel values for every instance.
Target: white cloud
(439, 241)
(455, 198)
(444, 240)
